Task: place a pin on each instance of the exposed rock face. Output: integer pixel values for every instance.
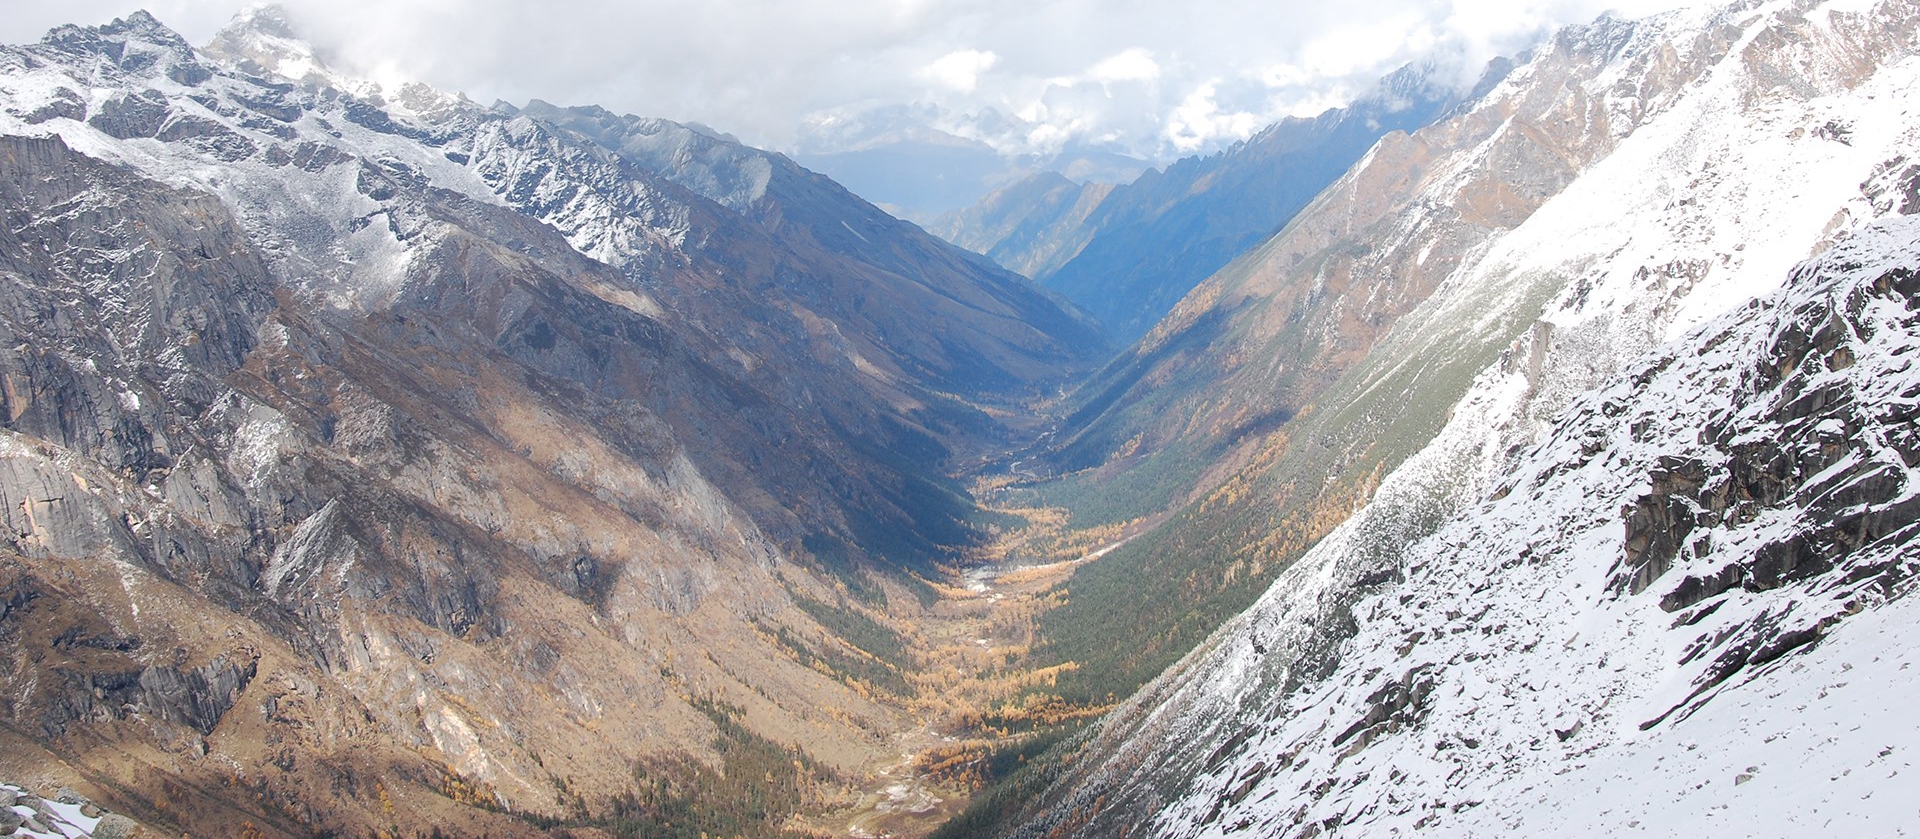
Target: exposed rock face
(369, 458)
(1280, 393)
(1560, 593)
(1127, 254)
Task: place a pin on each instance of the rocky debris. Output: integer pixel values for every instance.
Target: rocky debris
(68, 815)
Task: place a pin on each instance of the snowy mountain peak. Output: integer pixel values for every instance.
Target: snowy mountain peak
(136, 45)
(138, 27)
(263, 40)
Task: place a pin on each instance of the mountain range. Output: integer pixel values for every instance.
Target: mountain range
(1126, 254)
(377, 459)
(1537, 458)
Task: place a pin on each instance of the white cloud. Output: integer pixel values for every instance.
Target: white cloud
(1130, 75)
(1134, 65)
(960, 70)
(1199, 121)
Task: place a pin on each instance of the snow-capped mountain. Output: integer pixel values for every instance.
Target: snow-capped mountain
(1628, 582)
(374, 458)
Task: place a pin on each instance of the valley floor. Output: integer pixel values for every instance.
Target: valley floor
(982, 697)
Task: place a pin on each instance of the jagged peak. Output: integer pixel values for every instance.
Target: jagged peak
(262, 39)
(140, 22)
(138, 43)
(265, 18)
(142, 25)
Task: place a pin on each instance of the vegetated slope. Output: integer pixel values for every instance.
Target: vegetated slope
(1129, 258)
(374, 460)
(1286, 387)
(1681, 610)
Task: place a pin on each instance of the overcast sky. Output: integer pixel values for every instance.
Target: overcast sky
(1154, 78)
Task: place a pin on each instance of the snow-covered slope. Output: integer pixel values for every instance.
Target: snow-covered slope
(1654, 544)
(1650, 172)
(1679, 611)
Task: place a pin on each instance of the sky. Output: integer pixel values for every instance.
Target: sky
(1154, 79)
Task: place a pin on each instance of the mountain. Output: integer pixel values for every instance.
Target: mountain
(1534, 667)
(917, 174)
(899, 157)
(1032, 226)
(1270, 404)
(1139, 248)
(1599, 532)
(376, 460)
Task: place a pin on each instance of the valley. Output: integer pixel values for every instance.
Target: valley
(377, 463)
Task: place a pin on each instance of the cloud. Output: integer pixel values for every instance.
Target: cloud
(1134, 65)
(960, 70)
(1154, 79)
(1199, 120)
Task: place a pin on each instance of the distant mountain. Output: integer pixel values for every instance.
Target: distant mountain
(1139, 248)
(376, 459)
(895, 157)
(915, 177)
(1606, 528)
(1032, 227)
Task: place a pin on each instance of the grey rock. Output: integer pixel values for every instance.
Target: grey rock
(114, 826)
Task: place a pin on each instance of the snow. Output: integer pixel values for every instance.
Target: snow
(1554, 701)
(325, 231)
(57, 820)
(301, 216)
(1452, 665)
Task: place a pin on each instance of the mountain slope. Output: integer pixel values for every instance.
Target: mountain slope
(1020, 335)
(1796, 131)
(375, 460)
(1694, 581)
(1279, 394)
(1032, 226)
(1129, 259)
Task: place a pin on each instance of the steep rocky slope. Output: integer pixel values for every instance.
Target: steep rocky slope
(1712, 147)
(375, 460)
(1128, 258)
(1680, 610)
